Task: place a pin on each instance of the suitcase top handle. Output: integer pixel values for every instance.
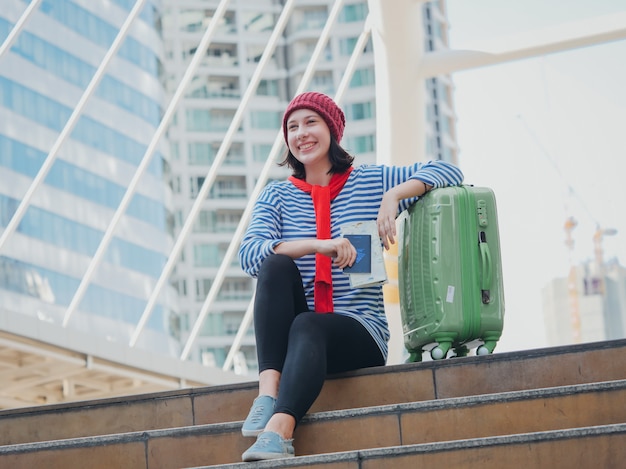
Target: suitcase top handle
(486, 271)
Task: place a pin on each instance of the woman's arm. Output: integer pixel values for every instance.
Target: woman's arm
(263, 233)
(264, 238)
(340, 249)
(388, 211)
(404, 185)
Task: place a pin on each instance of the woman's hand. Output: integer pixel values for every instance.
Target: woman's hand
(340, 249)
(388, 210)
(386, 220)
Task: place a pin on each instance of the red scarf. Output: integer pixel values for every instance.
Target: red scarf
(322, 196)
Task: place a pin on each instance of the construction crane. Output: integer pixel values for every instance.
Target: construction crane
(598, 285)
(598, 238)
(572, 286)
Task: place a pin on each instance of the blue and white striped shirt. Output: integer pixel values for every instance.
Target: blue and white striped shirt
(285, 213)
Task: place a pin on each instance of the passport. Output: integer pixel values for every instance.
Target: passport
(363, 245)
(369, 268)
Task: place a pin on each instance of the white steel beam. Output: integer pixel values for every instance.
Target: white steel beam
(204, 192)
(17, 29)
(261, 181)
(145, 160)
(398, 38)
(343, 85)
(560, 38)
(357, 52)
(69, 125)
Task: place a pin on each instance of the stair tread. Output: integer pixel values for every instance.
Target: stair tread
(472, 400)
(235, 426)
(398, 410)
(450, 363)
(440, 446)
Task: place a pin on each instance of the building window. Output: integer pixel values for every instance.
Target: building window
(214, 357)
(346, 45)
(205, 222)
(213, 326)
(184, 322)
(362, 77)
(265, 120)
(353, 13)
(361, 144)
(261, 151)
(304, 51)
(229, 187)
(323, 81)
(200, 153)
(313, 19)
(215, 87)
(203, 286)
(359, 111)
(195, 183)
(206, 255)
(203, 120)
(593, 286)
(181, 287)
(174, 151)
(267, 88)
(447, 154)
(227, 221)
(175, 184)
(258, 22)
(236, 289)
(445, 125)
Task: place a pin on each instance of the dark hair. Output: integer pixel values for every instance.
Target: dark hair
(340, 160)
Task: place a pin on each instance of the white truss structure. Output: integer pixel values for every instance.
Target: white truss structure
(44, 366)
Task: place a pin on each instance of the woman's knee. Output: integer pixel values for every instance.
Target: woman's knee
(277, 263)
(305, 325)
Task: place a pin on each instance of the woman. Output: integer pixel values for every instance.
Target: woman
(308, 321)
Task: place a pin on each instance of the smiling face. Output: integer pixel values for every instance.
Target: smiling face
(308, 138)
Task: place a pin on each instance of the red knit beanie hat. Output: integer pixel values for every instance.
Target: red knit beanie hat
(324, 106)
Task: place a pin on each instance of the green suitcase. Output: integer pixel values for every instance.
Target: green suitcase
(450, 273)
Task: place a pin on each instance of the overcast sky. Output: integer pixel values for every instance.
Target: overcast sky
(548, 135)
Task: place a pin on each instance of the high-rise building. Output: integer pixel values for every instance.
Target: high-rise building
(589, 306)
(210, 103)
(42, 77)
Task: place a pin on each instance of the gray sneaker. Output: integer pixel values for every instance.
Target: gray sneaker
(269, 445)
(260, 413)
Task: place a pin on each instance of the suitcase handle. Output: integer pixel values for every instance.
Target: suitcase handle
(485, 256)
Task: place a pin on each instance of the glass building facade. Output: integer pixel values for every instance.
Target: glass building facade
(42, 77)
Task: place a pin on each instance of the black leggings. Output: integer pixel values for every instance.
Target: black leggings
(303, 345)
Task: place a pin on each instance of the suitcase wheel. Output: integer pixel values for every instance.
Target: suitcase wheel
(486, 348)
(440, 351)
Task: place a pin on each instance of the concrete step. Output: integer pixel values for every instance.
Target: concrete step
(599, 447)
(385, 427)
(506, 372)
